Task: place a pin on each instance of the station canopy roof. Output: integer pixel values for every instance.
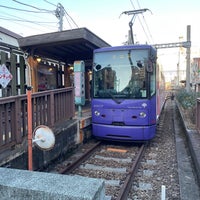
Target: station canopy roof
(64, 46)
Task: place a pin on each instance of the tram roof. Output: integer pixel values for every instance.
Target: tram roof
(64, 46)
(126, 47)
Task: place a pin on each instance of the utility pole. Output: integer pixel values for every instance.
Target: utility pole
(60, 14)
(188, 60)
(186, 45)
(178, 64)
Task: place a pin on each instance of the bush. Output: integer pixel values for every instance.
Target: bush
(187, 99)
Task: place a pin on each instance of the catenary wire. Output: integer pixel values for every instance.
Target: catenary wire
(141, 24)
(146, 24)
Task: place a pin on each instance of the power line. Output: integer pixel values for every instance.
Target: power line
(30, 26)
(41, 9)
(50, 3)
(59, 12)
(24, 20)
(70, 18)
(18, 9)
(19, 19)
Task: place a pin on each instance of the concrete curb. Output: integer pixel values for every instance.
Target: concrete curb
(193, 139)
(18, 184)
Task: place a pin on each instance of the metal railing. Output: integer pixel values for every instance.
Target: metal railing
(48, 108)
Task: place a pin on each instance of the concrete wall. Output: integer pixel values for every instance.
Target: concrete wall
(27, 185)
(66, 133)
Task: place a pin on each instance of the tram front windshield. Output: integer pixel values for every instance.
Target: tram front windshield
(120, 74)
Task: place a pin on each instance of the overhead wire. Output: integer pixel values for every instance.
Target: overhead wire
(68, 22)
(146, 24)
(30, 11)
(50, 3)
(66, 14)
(141, 22)
(41, 9)
(43, 24)
(25, 20)
(22, 24)
(18, 9)
(16, 20)
(36, 11)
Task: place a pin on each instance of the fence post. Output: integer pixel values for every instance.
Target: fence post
(52, 111)
(22, 67)
(198, 114)
(17, 120)
(13, 70)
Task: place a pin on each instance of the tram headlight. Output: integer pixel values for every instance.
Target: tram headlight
(97, 113)
(143, 114)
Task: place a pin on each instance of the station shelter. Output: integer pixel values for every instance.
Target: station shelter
(51, 57)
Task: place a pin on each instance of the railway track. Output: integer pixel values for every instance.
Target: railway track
(116, 164)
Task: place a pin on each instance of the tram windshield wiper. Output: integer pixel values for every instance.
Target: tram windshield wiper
(113, 97)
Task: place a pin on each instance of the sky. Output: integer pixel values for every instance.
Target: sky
(165, 22)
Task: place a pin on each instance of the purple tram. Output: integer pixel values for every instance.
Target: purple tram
(124, 93)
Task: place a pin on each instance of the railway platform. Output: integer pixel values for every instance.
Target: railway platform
(84, 118)
(84, 115)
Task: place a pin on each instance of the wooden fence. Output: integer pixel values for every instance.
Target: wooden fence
(48, 108)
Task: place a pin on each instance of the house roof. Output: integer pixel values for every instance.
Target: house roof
(64, 46)
(10, 33)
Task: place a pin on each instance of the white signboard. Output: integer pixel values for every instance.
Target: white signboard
(5, 76)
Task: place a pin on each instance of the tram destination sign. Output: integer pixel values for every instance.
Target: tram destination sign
(5, 76)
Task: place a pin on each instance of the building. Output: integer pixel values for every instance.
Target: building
(11, 56)
(58, 51)
(9, 38)
(195, 74)
(50, 59)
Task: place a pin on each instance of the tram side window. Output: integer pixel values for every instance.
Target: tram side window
(153, 81)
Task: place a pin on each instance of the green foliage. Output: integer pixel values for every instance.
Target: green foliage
(187, 99)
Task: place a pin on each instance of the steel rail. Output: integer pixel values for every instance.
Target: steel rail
(123, 193)
(80, 160)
